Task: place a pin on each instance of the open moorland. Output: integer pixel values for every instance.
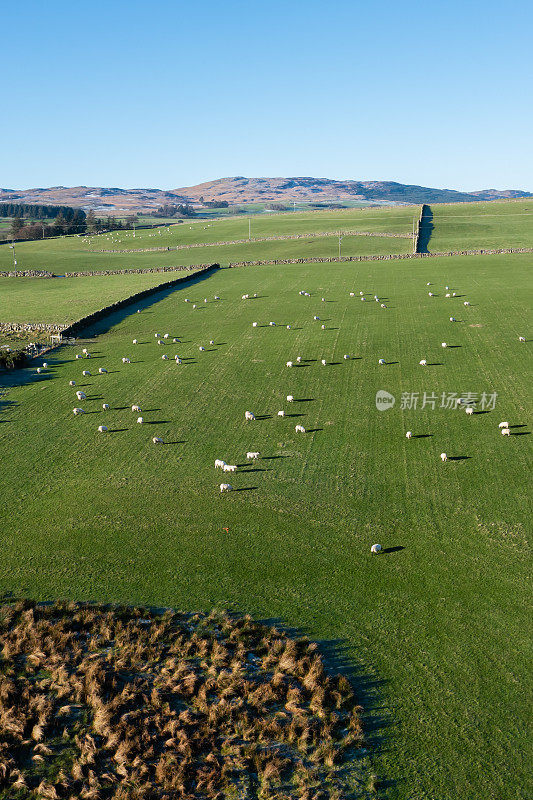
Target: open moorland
(434, 629)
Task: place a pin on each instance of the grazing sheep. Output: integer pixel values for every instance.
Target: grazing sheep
(178, 360)
(134, 341)
(72, 383)
(505, 432)
(272, 324)
(346, 357)
(140, 420)
(217, 297)
(289, 363)
(102, 429)
(444, 344)
(446, 287)
(423, 363)
(81, 395)
(323, 299)
(229, 468)
(254, 324)
(452, 319)
(165, 357)
(469, 410)
(428, 284)
(281, 413)
(324, 362)
(408, 435)
(219, 463)
(361, 293)
(376, 548)
(136, 409)
(448, 294)
(86, 373)
(288, 327)
(443, 457)
(298, 359)
(323, 327)
(521, 338)
(352, 294)
(157, 335)
(383, 305)
(159, 341)
(77, 411)
(255, 294)
(363, 299)
(299, 429)
(430, 294)
(211, 341)
(316, 318)
(176, 341)
(290, 398)
(187, 300)
(202, 349)
(226, 487)
(166, 336)
(381, 361)
(253, 455)
(105, 406)
(466, 303)
(205, 299)
(249, 415)
(45, 365)
(157, 440)
(85, 351)
(194, 305)
(102, 371)
(78, 355)
(453, 294)
(39, 370)
(503, 425)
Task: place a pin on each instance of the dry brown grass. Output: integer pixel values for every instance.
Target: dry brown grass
(99, 702)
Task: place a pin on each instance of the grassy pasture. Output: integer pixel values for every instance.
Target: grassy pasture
(436, 628)
(482, 225)
(64, 301)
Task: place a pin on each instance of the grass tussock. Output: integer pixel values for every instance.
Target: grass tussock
(101, 703)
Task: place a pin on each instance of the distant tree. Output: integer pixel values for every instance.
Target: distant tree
(16, 227)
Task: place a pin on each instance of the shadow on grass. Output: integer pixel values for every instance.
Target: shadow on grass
(395, 549)
(271, 458)
(263, 416)
(156, 422)
(422, 436)
(459, 458)
(246, 489)
(117, 430)
(313, 430)
(521, 433)
(181, 441)
(304, 400)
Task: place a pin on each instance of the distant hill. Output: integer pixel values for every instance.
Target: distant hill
(114, 200)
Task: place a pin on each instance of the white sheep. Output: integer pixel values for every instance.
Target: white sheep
(202, 349)
(503, 425)
(448, 294)
(272, 324)
(39, 370)
(346, 357)
(45, 365)
(430, 294)
(423, 362)
(521, 338)
(452, 319)
(443, 457)
(226, 487)
(408, 435)
(86, 373)
(383, 305)
(453, 294)
(466, 303)
(249, 415)
(102, 429)
(316, 318)
(229, 468)
(324, 362)
(166, 336)
(136, 409)
(164, 357)
(176, 341)
(78, 355)
(505, 432)
(211, 341)
(85, 351)
(77, 411)
(361, 293)
(469, 410)
(444, 344)
(219, 464)
(299, 429)
(140, 420)
(363, 299)
(352, 294)
(81, 395)
(178, 360)
(446, 287)
(102, 371)
(134, 341)
(194, 305)
(254, 324)
(281, 413)
(428, 284)
(217, 297)
(125, 360)
(72, 383)
(157, 440)
(323, 327)
(376, 548)
(157, 335)
(159, 341)
(187, 300)
(289, 363)
(252, 456)
(381, 361)
(298, 359)
(288, 327)
(290, 398)
(105, 406)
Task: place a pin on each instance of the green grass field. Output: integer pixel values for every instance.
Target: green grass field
(435, 630)
(78, 254)
(64, 301)
(482, 225)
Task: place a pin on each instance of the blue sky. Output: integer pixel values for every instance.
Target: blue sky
(168, 94)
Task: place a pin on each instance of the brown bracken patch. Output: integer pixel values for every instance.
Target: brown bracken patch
(101, 702)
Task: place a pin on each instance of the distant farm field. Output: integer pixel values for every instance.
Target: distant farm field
(482, 225)
(435, 629)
